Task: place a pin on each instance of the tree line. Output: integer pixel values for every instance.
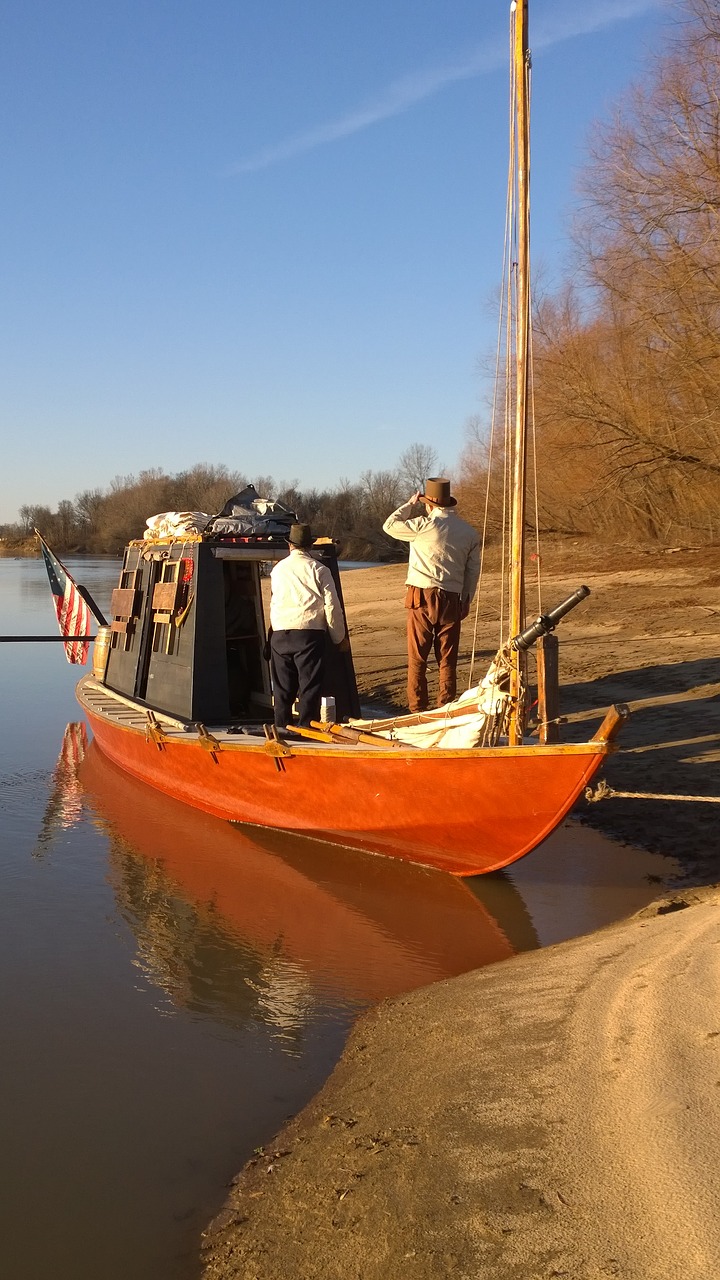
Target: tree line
(103, 521)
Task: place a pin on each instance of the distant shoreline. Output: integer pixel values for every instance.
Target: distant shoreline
(25, 551)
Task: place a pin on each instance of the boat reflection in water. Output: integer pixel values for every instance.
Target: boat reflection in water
(248, 923)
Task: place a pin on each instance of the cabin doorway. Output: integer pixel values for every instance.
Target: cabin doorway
(248, 677)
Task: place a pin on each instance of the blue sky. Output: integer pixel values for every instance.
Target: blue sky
(268, 233)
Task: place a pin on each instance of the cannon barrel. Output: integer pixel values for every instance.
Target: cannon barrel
(548, 621)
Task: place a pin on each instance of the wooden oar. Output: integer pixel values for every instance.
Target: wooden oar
(421, 717)
(348, 733)
(303, 732)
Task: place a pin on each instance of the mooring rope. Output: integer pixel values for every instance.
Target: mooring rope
(604, 792)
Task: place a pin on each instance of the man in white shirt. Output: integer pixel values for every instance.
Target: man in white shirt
(304, 605)
(442, 578)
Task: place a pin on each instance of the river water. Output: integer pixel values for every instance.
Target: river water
(174, 988)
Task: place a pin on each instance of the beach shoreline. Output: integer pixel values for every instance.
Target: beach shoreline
(549, 1115)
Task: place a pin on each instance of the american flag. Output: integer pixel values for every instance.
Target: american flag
(73, 614)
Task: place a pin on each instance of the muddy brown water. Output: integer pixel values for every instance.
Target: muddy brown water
(174, 988)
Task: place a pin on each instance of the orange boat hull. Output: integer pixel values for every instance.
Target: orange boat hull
(466, 812)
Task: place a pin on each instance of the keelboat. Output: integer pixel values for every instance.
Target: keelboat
(181, 697)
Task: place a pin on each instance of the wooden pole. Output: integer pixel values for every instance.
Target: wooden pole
(43, 639)
(521, 72)
(548, 688)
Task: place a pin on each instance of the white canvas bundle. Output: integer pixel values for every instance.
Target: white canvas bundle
(447, 729)
(171, 524)
(452, 735)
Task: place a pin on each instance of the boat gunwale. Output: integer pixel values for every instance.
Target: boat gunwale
(187, 735)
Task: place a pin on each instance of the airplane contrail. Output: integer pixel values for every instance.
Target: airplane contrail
(404, 93)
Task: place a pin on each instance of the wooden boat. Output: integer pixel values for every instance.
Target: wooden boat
(180, 699)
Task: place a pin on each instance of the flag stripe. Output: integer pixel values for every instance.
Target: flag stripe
(73, 614)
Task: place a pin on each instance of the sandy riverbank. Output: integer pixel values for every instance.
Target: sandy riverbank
(554, 1115)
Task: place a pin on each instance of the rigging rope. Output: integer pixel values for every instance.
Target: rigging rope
(604, 792)
(504, 321)
(507, 347)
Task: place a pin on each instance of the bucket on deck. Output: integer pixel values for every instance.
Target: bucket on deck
(327, 710)
(101, 649)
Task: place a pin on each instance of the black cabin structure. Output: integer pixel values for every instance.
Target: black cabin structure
(189, 633)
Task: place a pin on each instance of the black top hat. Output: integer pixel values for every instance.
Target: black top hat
(437, 490)
(300, 535)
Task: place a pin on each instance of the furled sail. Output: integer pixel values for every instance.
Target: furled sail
(477, 718)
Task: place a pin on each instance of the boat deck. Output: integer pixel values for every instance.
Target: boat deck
(99, 700)
(115, 709)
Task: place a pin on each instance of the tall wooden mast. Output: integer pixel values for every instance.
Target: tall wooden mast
(521, 184)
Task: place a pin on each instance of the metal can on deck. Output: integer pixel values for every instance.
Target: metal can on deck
(101, 649)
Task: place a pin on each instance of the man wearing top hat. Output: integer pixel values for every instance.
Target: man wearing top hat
(304, 605)
(441, 581)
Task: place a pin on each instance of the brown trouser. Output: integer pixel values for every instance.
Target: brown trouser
(433, 621)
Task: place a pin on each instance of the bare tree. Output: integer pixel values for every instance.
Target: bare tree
(66, 523)
(205, 487)
(38, 517)
(381, 492)
(415, 465)
(26, 519)
(626, 394)
(88, 506)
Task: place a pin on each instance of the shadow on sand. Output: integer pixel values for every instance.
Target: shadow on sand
(671, 745)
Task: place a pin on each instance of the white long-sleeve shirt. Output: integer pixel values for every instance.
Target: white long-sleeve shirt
(304, 597)
(444, 550)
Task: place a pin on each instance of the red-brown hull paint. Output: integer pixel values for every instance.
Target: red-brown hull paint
(464, 813)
